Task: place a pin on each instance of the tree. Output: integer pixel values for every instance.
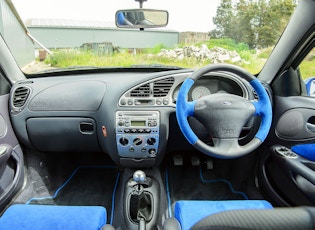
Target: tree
(254, 22)
(223, 19)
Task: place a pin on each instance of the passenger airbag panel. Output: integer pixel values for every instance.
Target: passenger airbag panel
(63, 134)
(70, 96)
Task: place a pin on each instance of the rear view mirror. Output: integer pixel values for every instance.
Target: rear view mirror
(141, 18)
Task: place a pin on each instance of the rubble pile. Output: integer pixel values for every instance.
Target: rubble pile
(216, 54)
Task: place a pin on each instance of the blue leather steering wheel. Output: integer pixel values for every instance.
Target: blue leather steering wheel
(224, 115)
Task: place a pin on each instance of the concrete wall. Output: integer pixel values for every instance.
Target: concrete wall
(58, 37)
(13, 32)
(193, 37)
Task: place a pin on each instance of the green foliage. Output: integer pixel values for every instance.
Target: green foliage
(125, 58)
(253, 60)
(307, 68)
(156, 49)
(258, 23)
(227, 43)
(264, 53)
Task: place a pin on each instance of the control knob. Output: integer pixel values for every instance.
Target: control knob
(123, 141)
(137, 141)
(151, 141)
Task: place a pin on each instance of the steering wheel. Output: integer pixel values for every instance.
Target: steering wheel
(224, 115)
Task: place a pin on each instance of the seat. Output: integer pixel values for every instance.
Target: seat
(188, 213)
(260, 219)
(21, 216)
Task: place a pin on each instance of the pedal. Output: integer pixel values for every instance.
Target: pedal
(195, 161)
(209, 163)
(178, 160)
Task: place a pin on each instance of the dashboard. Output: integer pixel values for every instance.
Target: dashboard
(128, 115)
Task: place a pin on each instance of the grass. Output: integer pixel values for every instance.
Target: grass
(228, 44)
(253, 60)
(307, 69)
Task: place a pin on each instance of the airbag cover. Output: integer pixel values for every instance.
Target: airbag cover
(70, 96)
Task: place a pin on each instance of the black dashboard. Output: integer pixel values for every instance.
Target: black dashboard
(127, 115)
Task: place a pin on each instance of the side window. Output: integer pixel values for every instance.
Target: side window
(307, 71)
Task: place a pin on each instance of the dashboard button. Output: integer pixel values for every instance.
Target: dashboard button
(133, 130)
(158, 102)
(152, 151)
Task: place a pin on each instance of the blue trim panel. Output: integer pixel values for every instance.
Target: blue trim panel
(305, 150)
(263, 109)
(53, 217)
(185, 109)
(188, 213)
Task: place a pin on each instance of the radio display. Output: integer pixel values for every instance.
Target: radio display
(137, 123)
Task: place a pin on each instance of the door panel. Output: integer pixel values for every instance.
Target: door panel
(11, 156)
(289, 177)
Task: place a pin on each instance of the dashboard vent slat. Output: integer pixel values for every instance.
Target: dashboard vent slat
(26, 82)
(162, 87)
(20, 96)
(141, 91)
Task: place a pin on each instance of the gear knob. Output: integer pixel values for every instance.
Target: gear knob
(139, 176)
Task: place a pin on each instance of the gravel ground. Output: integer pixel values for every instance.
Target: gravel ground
(35, 67)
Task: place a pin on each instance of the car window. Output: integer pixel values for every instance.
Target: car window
(221, 31)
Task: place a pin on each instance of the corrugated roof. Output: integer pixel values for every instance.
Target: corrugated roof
(69, 23)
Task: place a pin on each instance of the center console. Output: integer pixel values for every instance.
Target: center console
(137, 133)
(141, 201)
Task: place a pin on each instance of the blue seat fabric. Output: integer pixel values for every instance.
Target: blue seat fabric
(35, 217)
(190, 212)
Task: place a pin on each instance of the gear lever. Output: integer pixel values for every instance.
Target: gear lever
(139, 177)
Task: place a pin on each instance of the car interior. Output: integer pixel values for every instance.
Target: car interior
(161, 148)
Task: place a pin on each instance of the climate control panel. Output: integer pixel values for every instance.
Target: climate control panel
(137, 133)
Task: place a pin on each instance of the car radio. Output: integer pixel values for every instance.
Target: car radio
(137, 133)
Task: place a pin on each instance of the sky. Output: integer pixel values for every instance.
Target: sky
(184, 15)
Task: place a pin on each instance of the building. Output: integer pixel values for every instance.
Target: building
(15, 34)
(56, 33)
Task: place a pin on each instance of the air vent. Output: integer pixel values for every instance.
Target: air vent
(20, 96)
(162, 87)
(141, 91)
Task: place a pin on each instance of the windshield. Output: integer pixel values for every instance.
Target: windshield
(72, 34)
